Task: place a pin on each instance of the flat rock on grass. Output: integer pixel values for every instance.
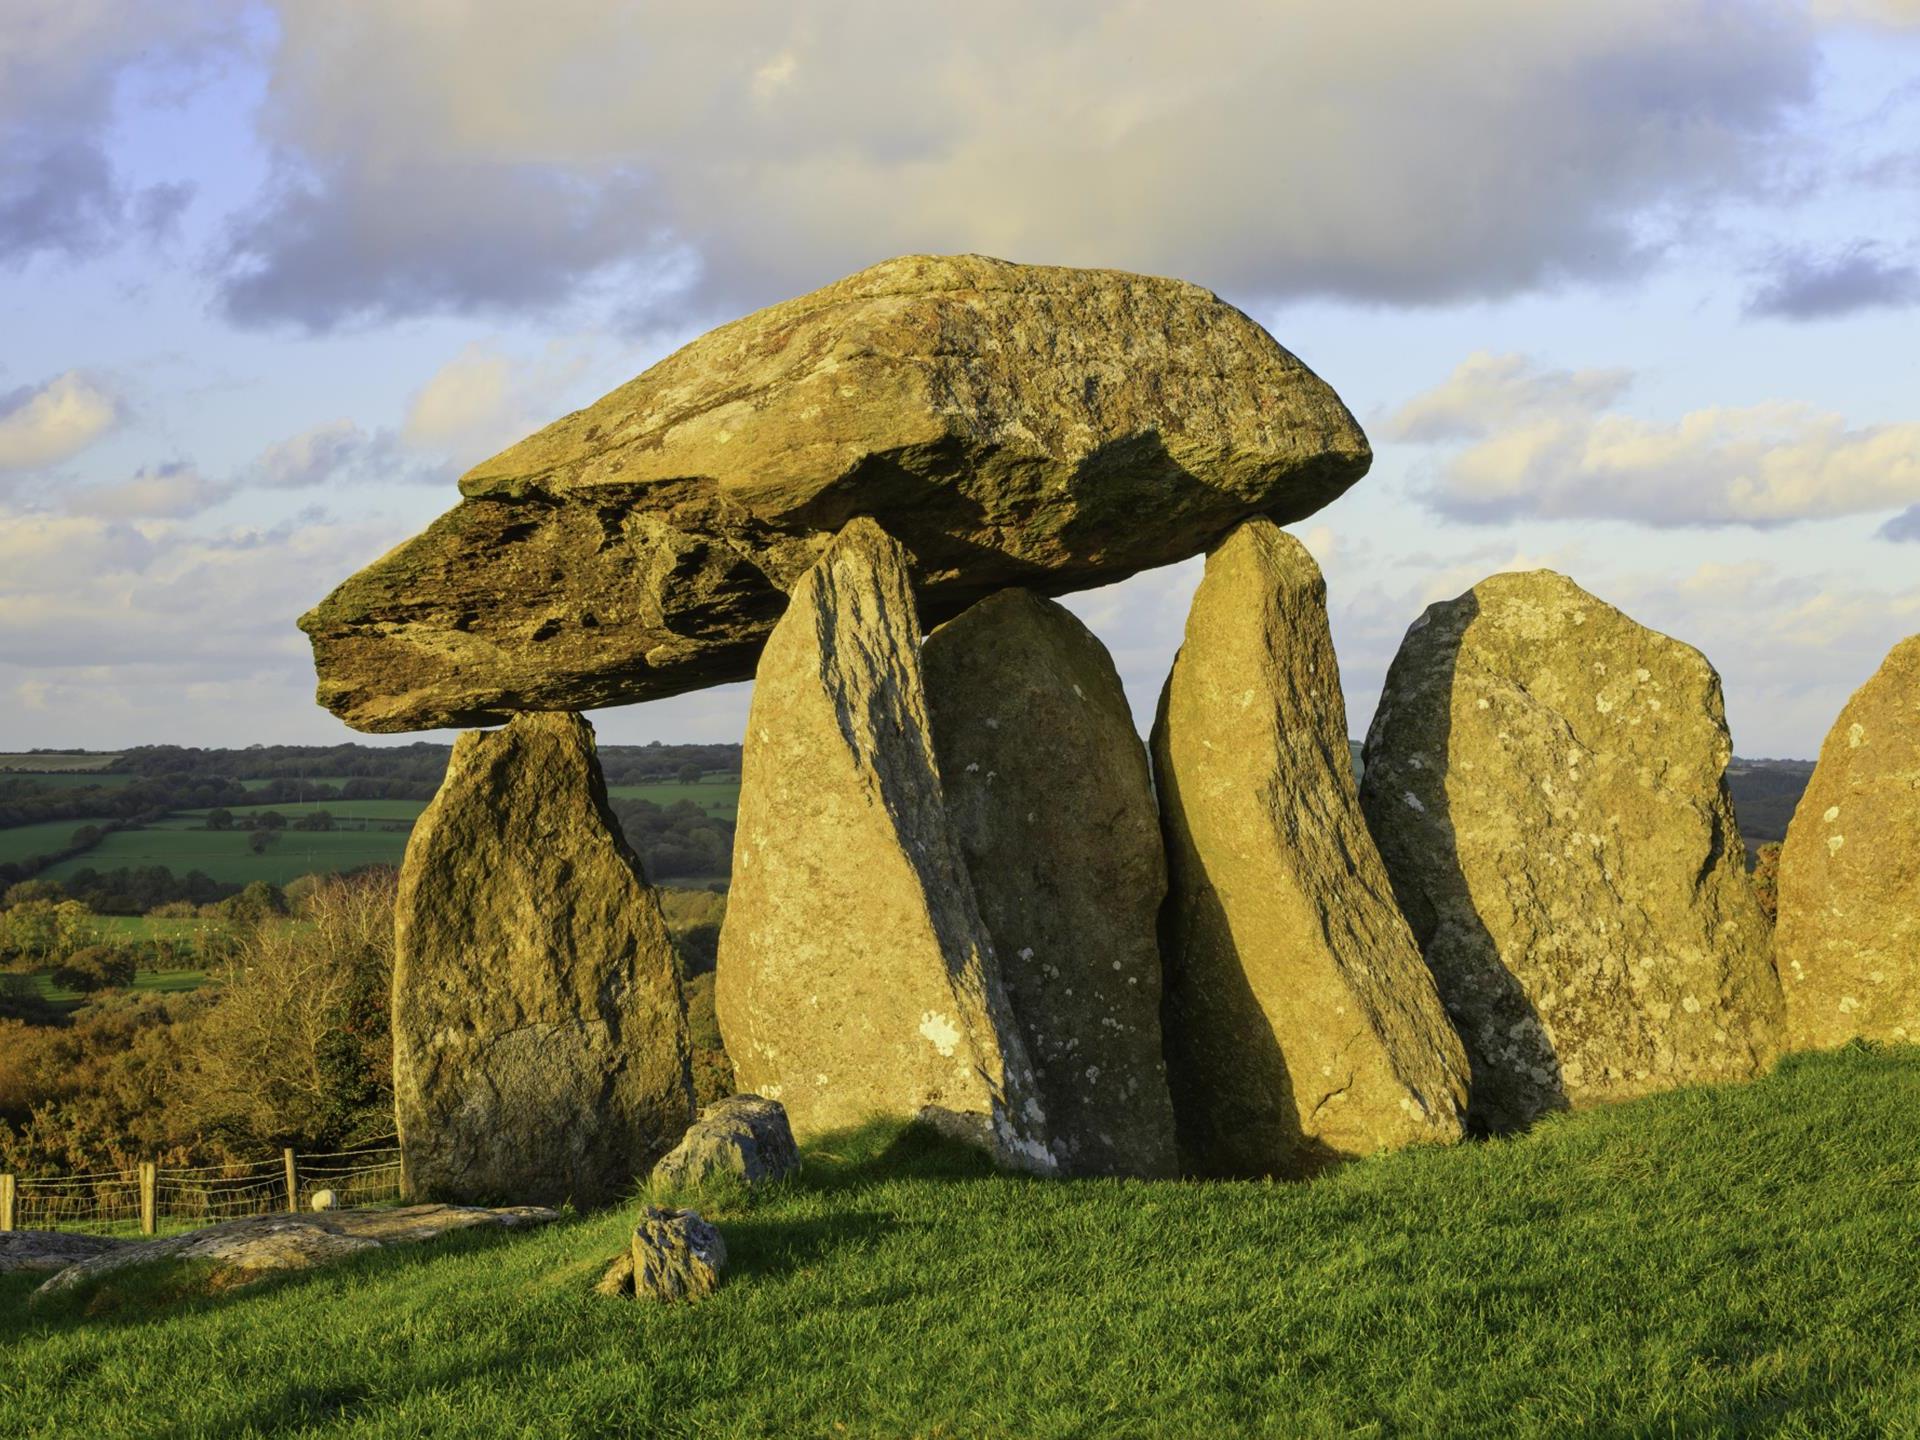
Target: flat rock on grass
(52, 1249)
(1848, 942)
(1051, 799)
(1301, 1025)
(1547, 783)
(243, 1251)
(1010, 424)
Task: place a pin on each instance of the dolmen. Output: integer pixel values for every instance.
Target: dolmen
(964, 892)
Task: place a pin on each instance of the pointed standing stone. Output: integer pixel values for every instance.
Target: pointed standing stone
(1848, 942)
(856, 978)
(1546, 781)
(1301, 1025)
(540, 1044)
(1047, 785)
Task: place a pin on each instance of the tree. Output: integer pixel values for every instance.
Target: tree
(219, 819)
(315, 820)
(271, 820)
(85, 838)
(691, 774)
(259, 840)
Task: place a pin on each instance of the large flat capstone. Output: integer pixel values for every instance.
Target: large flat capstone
(1047, 785)
(540, 1038)
(856, 977)
(1301, 1025)
(1546, 781)
(1009, 424)
(1848, 943)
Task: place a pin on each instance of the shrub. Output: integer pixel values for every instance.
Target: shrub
(97, 967)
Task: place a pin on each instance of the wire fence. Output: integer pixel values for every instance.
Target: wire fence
(151, 1198)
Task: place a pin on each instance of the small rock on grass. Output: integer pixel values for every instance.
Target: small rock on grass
(675, 1255)
(745, 1138)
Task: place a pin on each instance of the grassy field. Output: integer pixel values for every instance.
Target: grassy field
(340, 810)
(147, 982)
(156, 927)
(224, 854)
(1731, 1261)
(55, 762)
(70, 780)
(717, 794)
(21, 842)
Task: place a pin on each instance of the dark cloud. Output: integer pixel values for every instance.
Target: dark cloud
(1903, 527)
(1810, 287)
(363, 245)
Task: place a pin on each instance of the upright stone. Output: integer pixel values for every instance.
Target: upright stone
(1301, 1026)
(1546, 781)
(856, 978)
(1848, 942)
(540, 1045)
(1047, 786)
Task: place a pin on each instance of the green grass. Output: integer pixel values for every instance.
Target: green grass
(157, 927)
(223, 854)
(54, 762)
(339, 809)
(717, 794)
(147, 982)
(21, 842)
(1728, 1261)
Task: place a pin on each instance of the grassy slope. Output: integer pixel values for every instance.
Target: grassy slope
(21, 842)
(1731, 1261)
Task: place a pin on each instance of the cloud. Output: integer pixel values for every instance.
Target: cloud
(1546, 445)
(1808, 287)
(441, 158)
(483, 399)
(45, 424)
(172, 492)
(1898, 14)
(62, 62)
(1904, 526)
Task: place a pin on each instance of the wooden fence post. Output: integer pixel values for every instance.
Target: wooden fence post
(148, 1215)
(293, 1183)
(6, 1202)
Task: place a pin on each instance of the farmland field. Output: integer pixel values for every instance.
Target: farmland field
(55, 762)
(340, 810)
(70, 779)
(716, 794)
(223, 854)
(147, 982)
(20, 842)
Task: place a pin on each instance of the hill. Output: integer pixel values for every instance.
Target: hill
(1714, 1261)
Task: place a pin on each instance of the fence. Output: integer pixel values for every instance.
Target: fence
(150, 1196)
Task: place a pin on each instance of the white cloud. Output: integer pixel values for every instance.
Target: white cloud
(162, 492)
(1547, 445)
(483, 399)
(45, 424)
(448, 157)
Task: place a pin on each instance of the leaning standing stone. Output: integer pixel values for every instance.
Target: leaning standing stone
(1047, 785)
(1848, 942)
(1546, 781)
(856, 978)
(540, 1045)
(1301, 1024)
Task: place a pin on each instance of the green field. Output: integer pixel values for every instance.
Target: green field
(72, 780)
(1726, 1261)
(340, 810)
(21, 842)
(156, 927)
(223, 854)
(55, 762)
(147, 982)
(717, 794)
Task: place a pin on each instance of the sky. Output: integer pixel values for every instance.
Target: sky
(1624, 288)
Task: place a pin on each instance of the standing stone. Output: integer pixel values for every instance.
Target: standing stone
(856, 978)
(1047, 786)
(1848, 942)
(540, 1045)
(1546, 781)
(1301, 1026)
